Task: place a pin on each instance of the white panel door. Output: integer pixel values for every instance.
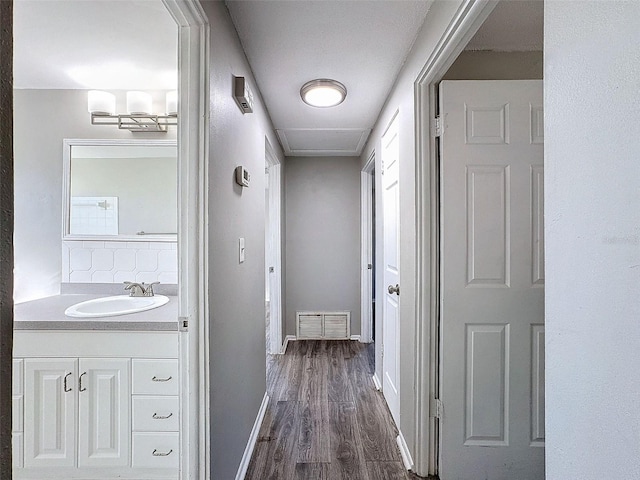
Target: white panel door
(492, 349)
(391, 245)
(50, 412)
(104, 413)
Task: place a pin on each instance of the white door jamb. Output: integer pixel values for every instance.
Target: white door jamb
(366, 250)
(469, 17)
(193, 77)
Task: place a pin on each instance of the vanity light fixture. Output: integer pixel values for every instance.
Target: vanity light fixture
(323, 92)
(102, 107)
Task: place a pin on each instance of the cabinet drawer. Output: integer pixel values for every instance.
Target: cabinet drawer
(155, 414)
(155, 377)
(155, 450)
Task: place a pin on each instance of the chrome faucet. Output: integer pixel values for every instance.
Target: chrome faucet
(140, 289)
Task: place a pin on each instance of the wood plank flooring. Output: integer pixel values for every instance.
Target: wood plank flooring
(325, 419)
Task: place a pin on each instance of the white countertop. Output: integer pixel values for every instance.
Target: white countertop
(48, 314)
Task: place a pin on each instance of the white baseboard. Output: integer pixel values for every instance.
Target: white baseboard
(287, 339)
(404, 451)
(253, 437)
(355, 338)
(376, 382)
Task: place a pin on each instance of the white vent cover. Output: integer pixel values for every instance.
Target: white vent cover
(327, 325)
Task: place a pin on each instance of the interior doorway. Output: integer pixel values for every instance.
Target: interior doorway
(273, 252)
(431, 238)
(367, 249)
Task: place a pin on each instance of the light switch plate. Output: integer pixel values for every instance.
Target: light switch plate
(241, 249)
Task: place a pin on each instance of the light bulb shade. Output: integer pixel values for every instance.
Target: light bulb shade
(138, 103)
(101, 103)
(172, 103)
(323, 92)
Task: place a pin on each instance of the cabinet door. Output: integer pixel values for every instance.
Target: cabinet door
(50, 412)
(104, 428)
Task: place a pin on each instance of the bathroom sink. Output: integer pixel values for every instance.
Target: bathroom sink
(113, 306)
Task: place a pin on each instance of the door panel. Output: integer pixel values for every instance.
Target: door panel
(492, 274)
(391, 310)
(50, 412)
(104, 413)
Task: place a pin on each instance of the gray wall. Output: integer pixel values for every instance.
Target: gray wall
(592, 237)
(490, 65)
(42, 119)
(322, 196)
(401, 100)
(236, 291)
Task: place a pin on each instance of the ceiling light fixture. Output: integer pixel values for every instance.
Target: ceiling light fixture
(102, 107)
(323, 92)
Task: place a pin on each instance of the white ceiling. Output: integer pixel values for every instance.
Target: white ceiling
(116, 44)
(101, 44)
(360, 43)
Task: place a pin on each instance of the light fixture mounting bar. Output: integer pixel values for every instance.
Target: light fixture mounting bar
(136, 122)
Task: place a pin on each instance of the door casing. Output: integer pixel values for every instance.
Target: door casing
(465, 23)
(193, 146)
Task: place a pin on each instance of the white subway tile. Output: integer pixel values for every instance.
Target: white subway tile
(147, 277)
(80, 277)
(92, 244)
(167, 261)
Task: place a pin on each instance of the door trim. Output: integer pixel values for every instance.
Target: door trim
(274, 250)
(366, 250)
(464, 24)
(193, 274)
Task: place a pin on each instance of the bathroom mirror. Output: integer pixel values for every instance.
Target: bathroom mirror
(120, 190)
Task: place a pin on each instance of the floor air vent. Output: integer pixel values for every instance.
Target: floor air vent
(334, 325)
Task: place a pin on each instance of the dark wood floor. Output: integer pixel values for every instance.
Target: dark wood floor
(325, 419)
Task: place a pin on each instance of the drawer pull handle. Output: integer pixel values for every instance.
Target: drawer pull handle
(156, 379)
(160, 417)
(156, 453)
(66, 388)
(81, 388)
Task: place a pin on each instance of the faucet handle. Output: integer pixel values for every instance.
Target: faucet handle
(148, 289)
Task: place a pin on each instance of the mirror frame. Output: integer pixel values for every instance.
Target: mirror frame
(66, 189)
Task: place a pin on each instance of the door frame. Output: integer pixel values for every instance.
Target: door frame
(367, 182)
(470, 15)
(274, 249)
(193, 273)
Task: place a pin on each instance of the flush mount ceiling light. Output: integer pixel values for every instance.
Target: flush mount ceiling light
(102, 107)
(323, 92)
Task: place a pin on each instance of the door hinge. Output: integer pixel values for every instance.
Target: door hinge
(438, 127)
(369, 266)
(183, 324)
(437, 409)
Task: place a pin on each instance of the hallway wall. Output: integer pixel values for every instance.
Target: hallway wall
(592, 237)
(236, 290)
(322, 201)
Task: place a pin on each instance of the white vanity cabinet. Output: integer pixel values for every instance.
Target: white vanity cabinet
(89, 396)
(81, 418)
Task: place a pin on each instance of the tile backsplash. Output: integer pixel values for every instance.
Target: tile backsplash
(116, 262)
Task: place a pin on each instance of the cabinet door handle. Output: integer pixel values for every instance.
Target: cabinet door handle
(156, 379)
(156, 453)
(160, 417)
(80, 383)
(66, 389)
